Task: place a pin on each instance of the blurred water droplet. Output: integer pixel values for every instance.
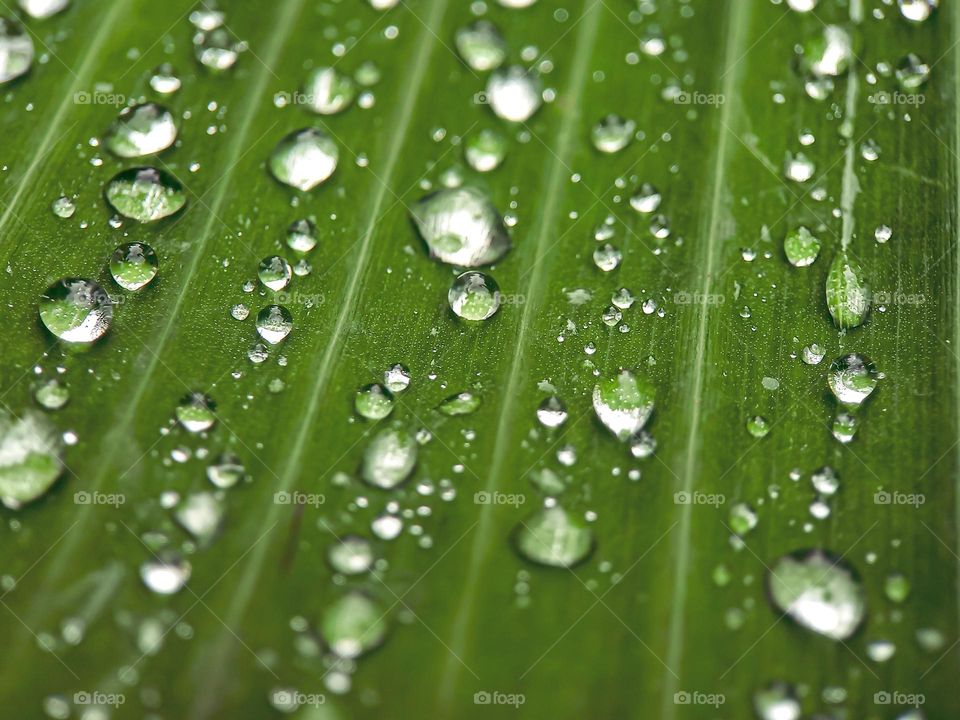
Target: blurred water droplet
(396, 378)
(389, 458)
(825, 481)
(552, 412)
(896, 587)
(328, 91)
(387, 526)
(514, 93)
(474, 296)
(207, 15)
(844, 427)
(134, 265)
(485, 150)
(164, 79)
(612, 134)
(758, 426)
(373, 402)
(217, 49)
(30, 457)
(743, 518)
(607, 258)
(912, 72)
(554, 537)
(777, 701)
(461, 227)
(917, 10)
(646, 199)
(52, 394)
(623, 403)
(145, 194)
(463, 403)
(201, 515)
(643, 445)
(196, 412)
(141, 130)
(41, 9)
(351, 555)
(304, 159)
(828, 53)
(481, 45)
(353, 625)
(302, 236)
(799, 168)
(76, 310)
(16, 50)
(226, 472)
(166, 574)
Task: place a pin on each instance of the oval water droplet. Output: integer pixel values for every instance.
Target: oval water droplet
(304, 159)
(463, 403)
(461, 227)
(165, 80)
(274, 323)
(646, 199)
(141, 130)
(801, 247)
(612, 133)
(813, 354)
(30, 457)
(474, 296)
(552, 412)
(200, 514)
(396, 378)
(302, 236)
(328, 91)
(63, 207)
(195, 413)
(917, 10)
(758, 426)
(743, 518)
(554, 537)
(777, 701)
(829, 53)
(514, 93)
(275, 273)
(912, 72)
(623, 403)
(350, 555)
(373, 402)
(217, 49)
(485, 150)
(852, 378)
(165, 574)
(41, 9)
(844, 427)
(353, 625)
(819, 592)
(481, 45)
(226, 472)
(848, 295)
(389, 458)
(134, 265)
(76, 310)
(145, 194)
(52, 394)
(16, 50)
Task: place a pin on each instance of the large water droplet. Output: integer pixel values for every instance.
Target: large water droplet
(41, 9)
(829, 53)
(30, 449)
(351, 555)
(274, 323)
(373, 402)
(820, 593)
(145, 194)
(514, 93)
(16, 50)
(76, 310)
(623, 403)
(613, 133)
(134, 265)
(141, 130)
(353, 625)
(328, 91)
(389, 458)
(481, 45)
(554, 537)
(275, 273)
(848, 295)
(461, 227)
(801, 247)
(917, 10)
(852, 378)
(474, 296)
(196, 412)
(304, 159)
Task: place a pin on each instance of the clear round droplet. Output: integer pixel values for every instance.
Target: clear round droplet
(474, 296)
(141, 130)
(481, 45)
(63, 207)
(485, 150)
(351, 555)
(145, 194)
(743, 518)
(302, 236)
(76, 310)
(852, 378)
(166, 574)
(389, 458)
(462, 403)
(304, 159)
(612, 133)
(758, 426)
(801, 247)
(514, 93)
(373, 402)
(353, 625)
(778, 700)
(917, 10)
(164, 79)
(134, 265)
(554, 537)
(646, 199)
(461, 227)
(274, 272)
(552, 412)
(274, 323)
(196, 412)
(396, 378)
(217, 49)
(624, 403)
(328, 91)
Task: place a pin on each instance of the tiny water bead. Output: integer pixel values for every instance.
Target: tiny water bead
(166, 574)
(896, 587)
(612, 134)
(461, 227)
(462, 403)
(554, 537)
(16, 50)
(389, 458)
(216, 49)
(396, 378)
(302, 236)
(474, 296)
(801, 247)
(514, 93)
(799, 168)
(63, 207)
(274, 272)
(852, 379)
(196, 412)
(351, 555)
(758, 426)
(141, 130)
(52, 394)
(819, 592)
(624, 403)
(552, 412)
(134, 265)
(353, 625)
(643, 445)
(481, 45)
(825, 481)
(76, 310)
(646, 199)
(373, 402)
(485, 150)
(274, 323)
(847, 292)
(607, 258)
(328, 91)
(207, 15)
(145, 194)
(30, 450)
(42, 9)
(304, 159)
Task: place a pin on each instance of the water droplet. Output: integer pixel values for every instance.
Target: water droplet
(274, 323)
(646, 199)
(758, 426)
(133, 266)
(166, 574)
(844, 427)
(353, 625)
(145, 194)
(302, 236)
(351, 555)
(463, 403)
(825, 481)
(896, 587)
(485, 150)
(461, 227)
(611, 316)
(240, 312)
(820, 593)
(30, 449)
(917, 10)
(328, 91)
(141, 130)
(743, 518)
(389, 458)
(607, 258)
(76, 310)
(274, 272)
(207, 15)
(164, 80)
(196, 412)
(624, 403)
(801, 247)
(16, 50)
(63, 207)
(41, 9)
(643, 445)
(481, 45)
(799, 168)
(387, 526)
(852, 378)
(848, 295)
(552, 412)
(813, 354)
(201, 515)
(554, 537)
(373, 402)
(514, 94)
(883, 233)
(304, 159)
(829, 53)
(52, 394)
(226, 472)
(216, 49)
(778, 700)
(474, 296)
(912, 72)
(801, 6)
(613, 133)
(881, 650)
(396, 378)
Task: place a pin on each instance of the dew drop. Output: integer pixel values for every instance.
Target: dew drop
(389, 458)
(52, 394)
(134, 266)
(304, 159)
(226, 472)
(274, 272)
(624, 403)
(145, 194)
(912, 72)
(30, 457)
(813, 354)
(217, 49)
(778, 700)
(514, 94)
(42, 9)
(164, 80)
(758, 426)
(801, 247)
(76, 310)
(63, 207)
(917, 10)
(463, 403)
(166, 574)
(552, 412)
(353, 625)
(646, 199)
(461, 227)
(396, 378)
(474, 296)
(373, 402)
(195, 413)
(847, 292)
(141, 130)
(485, 150)
(554, 537)
(328, 91)
(16, 50)
(852, 378)
(351, 555)
(274, 323)
(481, 45)
(612, 134)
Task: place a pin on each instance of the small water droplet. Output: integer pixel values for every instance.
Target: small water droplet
(145, 194)
(612, 133)
(76, 310)
(852, 378)
(481, 45)
(607, 258)
(387, 526)
(201, 515)
(141, 130)
(353, 625)
(274, 323)
(164, 80)
(216, 49)
(646, 199)
(389, 458)
(552, 412)
(165, 574)
(828, 53)
(42, 9)
(275, 273)
(133, 266)
(63, 207)
(624, 403)
(396, 378)
(743, 518)
(758, 426)
(30, 463)
(196, 412)
(844, 427)
(896, 587)
(847, 292)
(485, 150)
(52, 394)
(917, 10)
(463, 403)
(799, 168)
(554, 537)
(514, 93)
(350, 555)
(801, 247)
(474, 296)
(226, 472)
(328, 91)
(778, 700)
(912, 72)
(304, 159)
(813, 354)
(16, 50)
(373, 402)
(883, 233)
